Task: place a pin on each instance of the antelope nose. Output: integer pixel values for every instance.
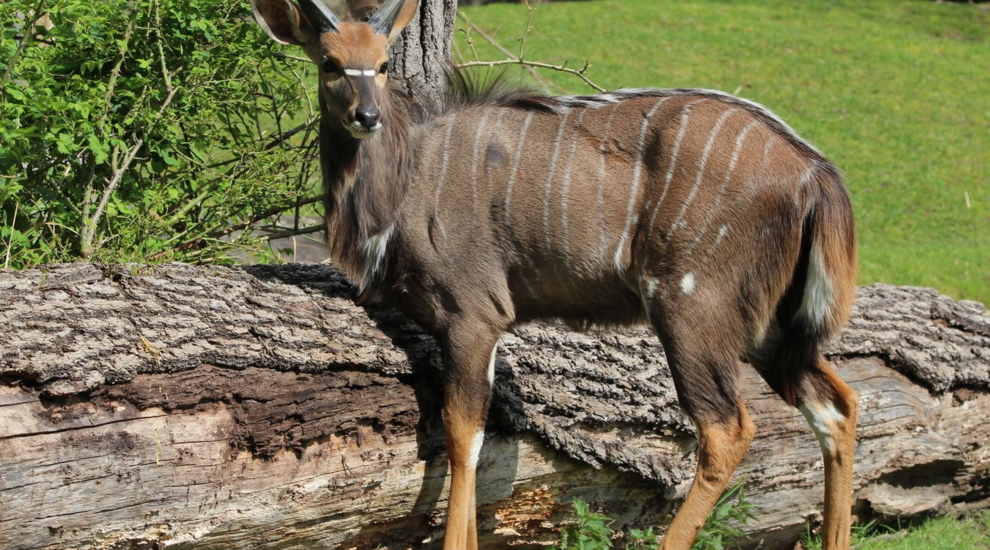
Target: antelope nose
(367, 117)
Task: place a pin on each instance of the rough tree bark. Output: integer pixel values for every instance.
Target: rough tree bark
(225, 408)
(421, 54)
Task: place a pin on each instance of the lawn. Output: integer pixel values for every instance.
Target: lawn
(969, 533)
(896, 93)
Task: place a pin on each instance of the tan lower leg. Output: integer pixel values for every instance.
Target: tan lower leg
(835, 426)
(461, 533)
(720, 448)
(463, 446)
(457, 511)
(472, 531)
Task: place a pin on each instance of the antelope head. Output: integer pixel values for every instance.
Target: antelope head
(352, 56)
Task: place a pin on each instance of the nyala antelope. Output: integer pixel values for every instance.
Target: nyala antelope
(699, 213)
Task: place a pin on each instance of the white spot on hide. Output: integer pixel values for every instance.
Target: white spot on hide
(823, 422)
(687, 284)
(374, 250)
(651, 287)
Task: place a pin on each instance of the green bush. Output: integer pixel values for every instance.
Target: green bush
(137, 130)
(722, 528)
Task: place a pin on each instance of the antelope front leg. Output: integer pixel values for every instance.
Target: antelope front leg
(469, 358)
(720, 447)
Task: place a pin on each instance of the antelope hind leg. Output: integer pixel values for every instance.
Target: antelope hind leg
(830, 406)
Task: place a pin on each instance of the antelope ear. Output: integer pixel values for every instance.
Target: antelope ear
(283, 21)
(393, 16)
(406, 15)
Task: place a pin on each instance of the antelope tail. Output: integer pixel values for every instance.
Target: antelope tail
(820, 296)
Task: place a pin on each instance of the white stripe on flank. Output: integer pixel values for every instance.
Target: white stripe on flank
(474, 166)
(637, 172)
(702, 163)
(766, 155)
(491, 366)
(673, 164)
(494, 135)
(360, 72)
(721, 190)
(816, 304)
(443, 176)
(550, 173)
(600, 202)
(515, 165)
(565, 188)
(722, 232)
(374, 251)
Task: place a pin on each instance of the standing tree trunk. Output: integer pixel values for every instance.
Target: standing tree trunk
(221, 408)
(421, 54)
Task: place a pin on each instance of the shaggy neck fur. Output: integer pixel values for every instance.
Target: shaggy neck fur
(364, 183)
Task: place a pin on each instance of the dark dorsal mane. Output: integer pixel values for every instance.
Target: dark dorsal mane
(475, 88)
(472, 88)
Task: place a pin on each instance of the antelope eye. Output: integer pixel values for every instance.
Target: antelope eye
(330, 66)
(384, 68)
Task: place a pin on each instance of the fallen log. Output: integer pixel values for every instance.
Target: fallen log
(227, 408)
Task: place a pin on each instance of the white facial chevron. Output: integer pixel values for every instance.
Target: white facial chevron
(360, 72)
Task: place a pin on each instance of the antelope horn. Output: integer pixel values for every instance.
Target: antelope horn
(384, 17)
(320, 16)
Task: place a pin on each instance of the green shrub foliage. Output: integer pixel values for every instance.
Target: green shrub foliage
(722, 529)
(146, 130)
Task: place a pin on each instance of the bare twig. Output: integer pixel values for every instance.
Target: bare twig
(467, 35)
(161, 51)
(539, 64)
(293, 232)
(531, 66)
(115, 72)
(529, 27)
(10, 238)
(215, 235)
(284, 136)
(495, 44)
(281, 55)
(88, 192)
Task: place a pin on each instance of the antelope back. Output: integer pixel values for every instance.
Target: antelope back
(590, 206)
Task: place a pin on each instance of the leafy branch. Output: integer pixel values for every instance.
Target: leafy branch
(150, 133)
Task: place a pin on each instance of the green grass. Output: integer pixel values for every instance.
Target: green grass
(969, 533)
(896, 93)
